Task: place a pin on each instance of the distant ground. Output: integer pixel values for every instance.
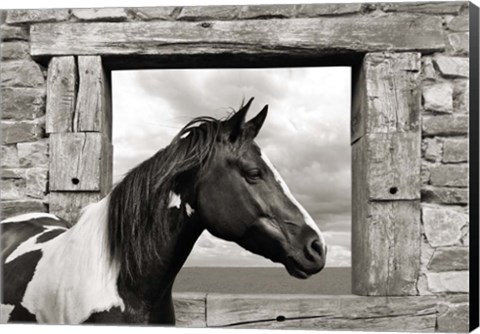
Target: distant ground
(331, 281)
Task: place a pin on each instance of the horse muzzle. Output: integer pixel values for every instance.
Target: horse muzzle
(310, 261)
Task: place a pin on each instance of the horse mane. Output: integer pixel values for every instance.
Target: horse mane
(138, 204)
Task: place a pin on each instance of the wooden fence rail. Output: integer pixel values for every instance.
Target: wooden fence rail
(322, 312)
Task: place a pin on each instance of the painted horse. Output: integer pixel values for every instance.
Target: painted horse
(117, 264)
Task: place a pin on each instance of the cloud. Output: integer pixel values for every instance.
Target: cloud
(306, 135)
(334, 238)
(338, 257)
(209, 90)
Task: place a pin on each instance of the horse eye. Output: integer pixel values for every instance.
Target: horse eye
(253, 174)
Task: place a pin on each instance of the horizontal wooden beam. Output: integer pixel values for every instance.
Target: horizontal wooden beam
(305, 36)
(347, 312)
(190, 310)
(323, 312)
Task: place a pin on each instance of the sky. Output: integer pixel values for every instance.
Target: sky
(306, 136)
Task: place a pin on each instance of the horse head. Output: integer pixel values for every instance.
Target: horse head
(242, 198)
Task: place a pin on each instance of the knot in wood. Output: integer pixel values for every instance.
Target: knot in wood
(393, 190)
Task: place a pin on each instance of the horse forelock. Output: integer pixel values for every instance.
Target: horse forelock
(139, 204)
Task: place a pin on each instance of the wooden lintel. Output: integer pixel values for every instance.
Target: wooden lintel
(292, 37)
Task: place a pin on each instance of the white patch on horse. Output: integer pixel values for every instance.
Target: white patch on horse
(29, 216)
(175, 200)
(306, 216)
(5, 310)
(189, 210)
(31, 244)
(75, 276)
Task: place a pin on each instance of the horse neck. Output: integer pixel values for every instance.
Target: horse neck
(181, 228)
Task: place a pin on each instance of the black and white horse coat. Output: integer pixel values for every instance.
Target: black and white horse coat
(117, 264)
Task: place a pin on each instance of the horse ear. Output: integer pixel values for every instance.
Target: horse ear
(254, 125)
(234, 124)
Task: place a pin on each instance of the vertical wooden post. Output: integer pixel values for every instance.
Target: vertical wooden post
(61, 94)
(386, 157)
(78, 162)
(93, 108)
(80, 134)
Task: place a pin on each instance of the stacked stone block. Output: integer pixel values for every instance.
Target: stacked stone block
(24, 150)
(445, 92)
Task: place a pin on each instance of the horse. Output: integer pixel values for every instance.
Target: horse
(117, 264)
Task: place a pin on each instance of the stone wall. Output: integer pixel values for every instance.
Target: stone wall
(24, 150)
(445, 217)
(445, 108)
(445, 92)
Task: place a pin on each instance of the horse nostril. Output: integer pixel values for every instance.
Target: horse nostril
(317, 247)
(314, 251)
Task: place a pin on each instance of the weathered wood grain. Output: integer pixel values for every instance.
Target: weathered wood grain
(386, 228)
(61, 90)
(68, 205)
(386, 167)
(386, 180)
(393, 165)
(359, 242)
(431, 7)
(386, 251)
(293, 36)
(345, 312)
(358, 111)
(107, 166)
(190, 309)
(77, 162)
(93, 107)
(387, 95)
